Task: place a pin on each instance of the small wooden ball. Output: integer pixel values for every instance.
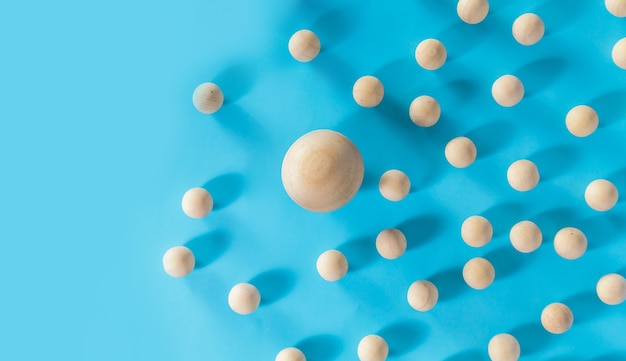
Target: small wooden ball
(304, 45)
(431, 54)
(332, 265)
(422, 295)
(581, 120)
(557, 318)
(244, 298)
(178, 261)
(611, 289)
(322, 171)
(528, 29)
(601, 195)
(525, 236)
(424, 111)
(570, 243)
(290, 354)
(507, 90)
(503, 347)
(391, 243)
(619, 53)
(373, 348)
(478, 273)
(394, 185)
(476, 231)
(616, 7)
(208, 98)
(523, 175)
(472, 11)
(197, 202)
(368, 91)
(460, 152)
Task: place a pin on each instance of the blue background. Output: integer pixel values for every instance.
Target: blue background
(99, 141)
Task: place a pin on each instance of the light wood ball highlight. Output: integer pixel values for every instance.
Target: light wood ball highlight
(290, 354)
(304, 45)
(528, 29)
(557, 318)
(178, 261)
(619, 53)
(525, 236)
(582, 120)
(476, 231)
(424, 111)
(391, 243)
(431, 54)
(394, 185)
(570, 243)
(332, 265)
(507, 90)
(611, 289)
(373, 348)
(368, 91)
(472, 11)
(197, 203)
(460, 152)
(422, 295)
(244, 298)
(208, 98)
(523, 175)
(616, 7)
(601, 195)
(479, 273)
(322, 171)
(503, 347)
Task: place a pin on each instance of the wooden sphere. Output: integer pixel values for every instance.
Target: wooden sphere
(476, 231)
(244, 298)
(472, 11)
(619, 53)
(322, 171)
(431, 54)
(581, 120)
(616, 7)
(460, 152)
(424, 111)
(570, 243)
(507, 90)
(197, 202)
(394, 185)
(523, 175)
(503, 347)
(422, 295)
(290, 354)
(528, 29)
(391, 243)
(208, 98)
(525, 236)
(373, 348)
(178, 261)
(601, 195)
(611, 289)
(478, 273)
(332, 265)
(304, 45)
(368, 91)
(557, 318)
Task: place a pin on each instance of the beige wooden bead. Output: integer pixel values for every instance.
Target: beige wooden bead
(525, 236)
(431, 54)
(332, 265)
(503, 347)
(178, 261)
(424, 111)
(619, 53)
(197, 203)
(528, 29)
(616, 7)
(372, 348)
(523, 175)
(581, 120)
(244, 298)
(422, 295)
(208, 98)
(394, 185)
(290, 354)
(570, 243)
(601, 195)
(322, 171)
(304, 45)
(478, 273)
(391, 243)
(472, 11)
(611, 289)
(460, 152)
(368, 91)
(476, 231)
(507, 90)
(557, 318)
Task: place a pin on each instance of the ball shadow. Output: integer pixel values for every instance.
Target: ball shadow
(460, 38)
(541, 74)
(490, 138)
(503, 216)
(274, 284)
(507, 261)
(321, 347)
(208, 247)
(600, 230)
(555, 161)
(610, 106)
(241, 124)
(613, 356)
(586, 306)
(469, 355)
(225, 189)
(404, 336)
(360, 252)
(532, 337)
(558, 20)
(236, 80)
(334, 26)
(421, 229)
(337, 71)
(449, 283)
(551, 221)
(463, 90)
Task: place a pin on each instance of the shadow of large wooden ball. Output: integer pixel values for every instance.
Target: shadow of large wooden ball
(322, 171)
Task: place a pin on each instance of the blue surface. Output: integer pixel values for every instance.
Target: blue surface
(99, 141)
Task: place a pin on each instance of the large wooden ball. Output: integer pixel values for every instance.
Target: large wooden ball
(557, 318)
(503, 347)
(304, 45)
(611, 289)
